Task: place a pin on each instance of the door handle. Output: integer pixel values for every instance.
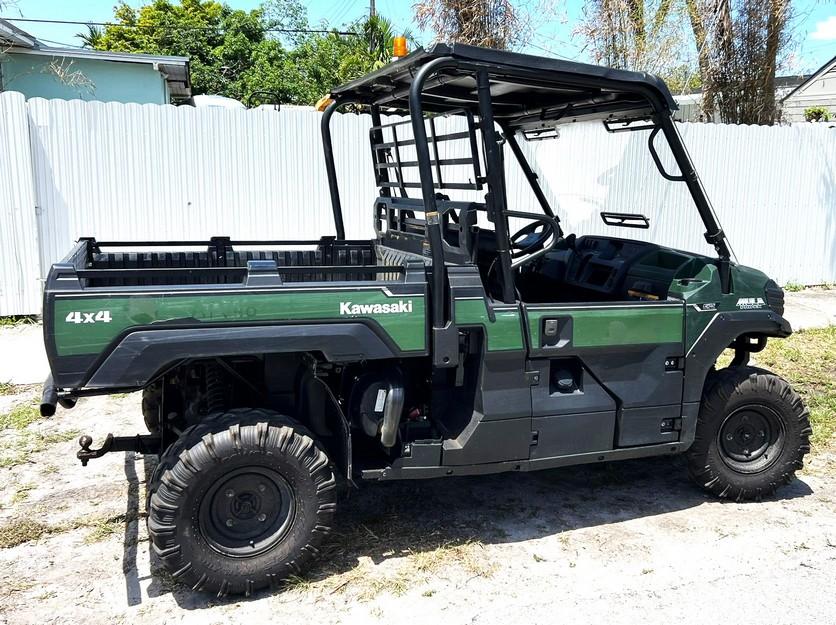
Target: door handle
(555, 332)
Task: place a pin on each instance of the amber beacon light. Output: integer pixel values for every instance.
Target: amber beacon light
(399, 47)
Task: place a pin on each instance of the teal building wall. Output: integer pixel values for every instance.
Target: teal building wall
(106, 81)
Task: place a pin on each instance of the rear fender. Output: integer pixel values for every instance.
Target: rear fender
(142, 354)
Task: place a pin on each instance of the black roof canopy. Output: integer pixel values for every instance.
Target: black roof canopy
(527, 91)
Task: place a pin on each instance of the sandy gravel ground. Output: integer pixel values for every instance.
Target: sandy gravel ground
(630, 542)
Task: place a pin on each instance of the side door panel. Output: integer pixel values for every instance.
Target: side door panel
(610, 374)
(499, 427)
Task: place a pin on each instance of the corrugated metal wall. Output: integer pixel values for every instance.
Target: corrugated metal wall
(20, 288)
(773, 189)
(134, 172)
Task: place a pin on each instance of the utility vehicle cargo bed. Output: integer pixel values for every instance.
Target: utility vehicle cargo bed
(114, 264)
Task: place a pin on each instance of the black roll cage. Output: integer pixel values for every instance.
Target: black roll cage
(431, 72)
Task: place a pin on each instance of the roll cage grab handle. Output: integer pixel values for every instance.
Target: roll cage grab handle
(661, 118)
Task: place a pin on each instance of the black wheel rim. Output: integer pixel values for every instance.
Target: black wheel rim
(247, 512)
(751, 438)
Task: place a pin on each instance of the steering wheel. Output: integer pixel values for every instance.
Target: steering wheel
(530, 238)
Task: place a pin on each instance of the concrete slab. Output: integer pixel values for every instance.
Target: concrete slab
(811, 308)
(24, 360)
(22, 355)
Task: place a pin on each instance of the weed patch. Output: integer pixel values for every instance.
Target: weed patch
(23, 444)
(807, 360)
(23, 530)
(17, 320)
(20, 416)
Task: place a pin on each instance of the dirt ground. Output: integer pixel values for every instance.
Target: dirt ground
(619, 543)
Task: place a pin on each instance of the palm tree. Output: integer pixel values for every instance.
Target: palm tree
(93, 37)
(378, 34)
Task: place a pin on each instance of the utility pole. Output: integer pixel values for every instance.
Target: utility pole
(372, 10)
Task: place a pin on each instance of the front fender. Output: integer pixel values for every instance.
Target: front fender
(721, 332)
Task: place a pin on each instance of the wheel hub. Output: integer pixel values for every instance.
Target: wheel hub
(247, 512)
(750, 438)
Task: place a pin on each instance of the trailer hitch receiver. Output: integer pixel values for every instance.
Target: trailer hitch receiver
(143, 444)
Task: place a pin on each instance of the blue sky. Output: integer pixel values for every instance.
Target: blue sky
(814, 25)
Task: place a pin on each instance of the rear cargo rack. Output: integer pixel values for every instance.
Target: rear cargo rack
(219, 261)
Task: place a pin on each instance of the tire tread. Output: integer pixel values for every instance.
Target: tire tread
(196, 450)
(722, 386)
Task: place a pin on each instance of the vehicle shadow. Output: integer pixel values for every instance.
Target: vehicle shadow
(391, 520)
(133, 592)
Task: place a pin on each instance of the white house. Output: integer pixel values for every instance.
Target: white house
(818, 90)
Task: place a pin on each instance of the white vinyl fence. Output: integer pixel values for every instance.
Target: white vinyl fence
(149, 172)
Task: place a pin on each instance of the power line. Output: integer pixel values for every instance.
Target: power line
(552, 52)
(344, 11)
(175, 28)
(61, 43)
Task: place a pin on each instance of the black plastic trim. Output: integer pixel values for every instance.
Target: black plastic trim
(721, 334)
(141, 354)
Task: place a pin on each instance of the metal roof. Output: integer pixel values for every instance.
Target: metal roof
(814, 76)
(524, 87)
(14, 35)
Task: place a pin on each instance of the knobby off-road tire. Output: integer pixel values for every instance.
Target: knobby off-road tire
(240, 502)
(753, 431)
(152, 396)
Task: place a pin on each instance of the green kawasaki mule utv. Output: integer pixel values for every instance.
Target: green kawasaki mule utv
(446, 345)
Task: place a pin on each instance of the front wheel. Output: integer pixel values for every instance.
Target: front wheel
(752, 434)
(241, 502)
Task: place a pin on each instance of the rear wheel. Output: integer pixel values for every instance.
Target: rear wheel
(752, 434)
(152, 397)
(241, 502)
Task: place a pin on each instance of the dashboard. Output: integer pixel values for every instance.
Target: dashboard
(620, 268)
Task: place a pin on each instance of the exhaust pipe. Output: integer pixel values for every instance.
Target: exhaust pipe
(49, 398)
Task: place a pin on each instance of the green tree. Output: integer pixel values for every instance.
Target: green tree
(332, 59)
(239, 53)
(93, 37)
(217, 39)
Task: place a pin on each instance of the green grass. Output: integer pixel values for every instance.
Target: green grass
(10, 388)
(22, 492)
(20, 416)
(105, 528)
(25, 529)
(793, 287)
(16, 320)
(21, 531)
(807, 360)
(19, 449)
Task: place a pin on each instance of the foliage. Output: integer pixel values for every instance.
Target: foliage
(816, 114)
(643, 35)
(489, 23)
(740, 46)
(237, 53)
(92, 38)
(682, 79)
(808, 360)
(20, 416)
(16, 320)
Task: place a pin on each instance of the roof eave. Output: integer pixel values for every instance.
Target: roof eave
(101, 55)
(814, 76)
(11, 33)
